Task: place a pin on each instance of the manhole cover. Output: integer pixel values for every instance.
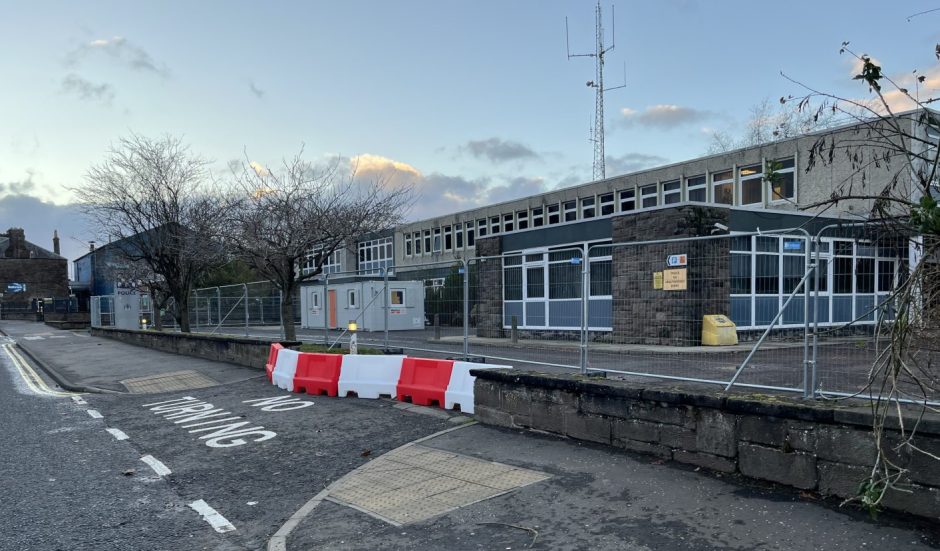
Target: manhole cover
(167, 382)
(416, 483)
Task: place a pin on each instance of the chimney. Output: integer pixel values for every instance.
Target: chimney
(91, 246)
(17, 244)
(55, 242)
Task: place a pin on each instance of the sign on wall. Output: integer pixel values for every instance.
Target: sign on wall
(674, 260)
(657, 280)
(675, 280)
(16, 287)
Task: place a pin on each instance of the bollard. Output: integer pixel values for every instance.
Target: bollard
(437, 327)
(514, 331)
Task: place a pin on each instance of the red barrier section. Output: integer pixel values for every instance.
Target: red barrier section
(425, 381)
(272, 359)
(318, 373)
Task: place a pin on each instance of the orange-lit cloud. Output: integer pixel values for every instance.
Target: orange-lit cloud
(367, 163)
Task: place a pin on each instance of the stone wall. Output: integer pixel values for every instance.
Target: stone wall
(44, 277)
(250, 352)
(490, 306)
(807, 445)
(644, 315)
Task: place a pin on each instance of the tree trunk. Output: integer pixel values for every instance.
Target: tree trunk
(182, 312)
(157, 312)
(287, 315)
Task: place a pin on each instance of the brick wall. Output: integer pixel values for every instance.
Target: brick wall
(44, 277)
(490, 306)
(644, 315)
(816, 446)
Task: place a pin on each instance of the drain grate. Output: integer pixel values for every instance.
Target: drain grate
(168, 382)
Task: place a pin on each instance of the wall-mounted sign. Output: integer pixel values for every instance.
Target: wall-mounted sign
(657, 280)
(675, 280)
(674, 260)
(16, 287)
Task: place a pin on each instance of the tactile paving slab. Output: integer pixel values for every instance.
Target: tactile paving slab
(416, 483)
(167, 382)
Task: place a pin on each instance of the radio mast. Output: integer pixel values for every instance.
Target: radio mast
(597, 129)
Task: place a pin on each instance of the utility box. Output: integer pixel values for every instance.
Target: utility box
(718, 330)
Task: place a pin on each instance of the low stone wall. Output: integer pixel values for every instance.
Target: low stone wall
(67, 320)
(803, 444)
(250, 352)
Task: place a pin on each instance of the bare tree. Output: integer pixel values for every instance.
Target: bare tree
(892, 153)
(767, 123)
(136, 274)
(157, 198)
(291, 220)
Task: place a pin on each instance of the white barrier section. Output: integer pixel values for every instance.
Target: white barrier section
(369, 376)
(285, 368)
(460, 388)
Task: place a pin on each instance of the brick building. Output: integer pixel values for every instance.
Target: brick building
(29, 273)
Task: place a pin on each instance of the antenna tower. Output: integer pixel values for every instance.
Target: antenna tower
(597, 129)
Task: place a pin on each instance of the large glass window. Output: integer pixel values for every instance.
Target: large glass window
(481, 227)
(571, 211)
(649, 196)
(695, 189)
(522, 219)
(628, 200)
(842, 266)
(407, 244)
(507, 223)
(535, 282)
(886, 276)
(494, 225)
(554, 214)
(458, 236)
(448, 238)
(471, 236)
(607, 204)
(672, 192)
(538, 218)
(781, 179)
(417, 238)
(427, 241)
(751, 178)
(564, 279)
(723, 187)
(767, 276)
(437, 240)
(587, 208)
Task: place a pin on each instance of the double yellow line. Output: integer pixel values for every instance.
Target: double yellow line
(29, 375)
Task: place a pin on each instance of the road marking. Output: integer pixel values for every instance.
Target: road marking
(29, 376)
(118, 434)
(155, 464)
(79, 400)
(34, 338)
(217, 521)
(95, 414)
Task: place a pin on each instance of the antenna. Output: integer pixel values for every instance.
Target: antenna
(597, 131)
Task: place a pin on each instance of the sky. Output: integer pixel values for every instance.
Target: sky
(473, 102)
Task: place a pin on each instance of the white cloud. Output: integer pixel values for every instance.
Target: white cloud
(661, 116)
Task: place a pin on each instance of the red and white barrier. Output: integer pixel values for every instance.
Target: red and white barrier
(370, 376)
(460, 388)
(422, 381)
(284, 369)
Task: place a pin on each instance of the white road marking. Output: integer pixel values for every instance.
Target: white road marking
(155, 464)
(30, 378)
(79, 400)
(217, 521)
(95, 414)
(34, 338)
(118, 433)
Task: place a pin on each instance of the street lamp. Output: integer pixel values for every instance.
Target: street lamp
(353, 342)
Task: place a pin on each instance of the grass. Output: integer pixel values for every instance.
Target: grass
(322, 349)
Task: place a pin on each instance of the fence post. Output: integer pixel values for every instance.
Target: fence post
(245, 288)
(466, 309)
(585, 288)
(326, 319)
(218, 305)
(808, 391)
(385, 302)
(280, 311)
(196, 307)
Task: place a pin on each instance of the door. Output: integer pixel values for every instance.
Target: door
(331, 305)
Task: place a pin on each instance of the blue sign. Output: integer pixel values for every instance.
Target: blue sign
(16, 287)
(792, 245)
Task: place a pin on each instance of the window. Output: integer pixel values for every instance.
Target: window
(494, 225)
(554, 215)
(842, 267)
(352, 299)
(458, 236)
(781, 179)
(695, 189)
(448, 238)
(512, 278)
(649, 196)
(723, 187)
(507, 223)
(535, 282)
(885, 276)
(627, 200)
(407, 244)
(376, 254)
(396, 297)
(740, 274)
(672, 192)
(538, 218)
(607, 204)
(470, 235)
(481, 227)
(794, 263)
(333, 263)
(571, 211)
(751, 178)
(522, 219)
(437, 240)
(865, 275)
(427, 241)
(315, 299)
(417, 239)
(564, 277)
(587, 208)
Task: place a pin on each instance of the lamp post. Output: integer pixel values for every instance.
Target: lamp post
(353, 341)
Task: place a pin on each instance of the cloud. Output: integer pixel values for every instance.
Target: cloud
(119, 48)
(632, 162)
(368, 163)
(259, 169)
(258, 92)
(498, 150)
(516, 188)
(661, 116)
(19, 188)
(87, 90)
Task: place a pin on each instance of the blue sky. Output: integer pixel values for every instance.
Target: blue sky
(474, 101)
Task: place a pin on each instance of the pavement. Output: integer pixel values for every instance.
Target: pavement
(289, 471)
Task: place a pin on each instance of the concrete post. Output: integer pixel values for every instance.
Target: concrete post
(514, 330)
